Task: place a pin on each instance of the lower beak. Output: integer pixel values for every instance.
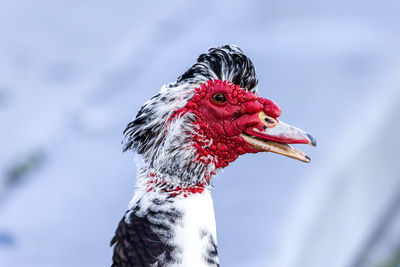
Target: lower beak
(275, 136)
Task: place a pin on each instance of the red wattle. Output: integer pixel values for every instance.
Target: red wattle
(219, 125)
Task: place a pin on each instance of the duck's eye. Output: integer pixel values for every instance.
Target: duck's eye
(218, 98)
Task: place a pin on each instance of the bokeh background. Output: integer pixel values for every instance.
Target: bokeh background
(74, 73)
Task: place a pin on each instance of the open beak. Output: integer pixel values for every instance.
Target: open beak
(275, 136)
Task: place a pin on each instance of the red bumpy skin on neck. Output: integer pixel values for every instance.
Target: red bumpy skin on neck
(219, 125)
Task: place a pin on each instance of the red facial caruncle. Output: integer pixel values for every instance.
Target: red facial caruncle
(232, 121)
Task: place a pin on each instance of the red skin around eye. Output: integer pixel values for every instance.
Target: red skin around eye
(224, 122)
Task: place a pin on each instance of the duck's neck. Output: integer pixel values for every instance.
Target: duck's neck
(181, 218)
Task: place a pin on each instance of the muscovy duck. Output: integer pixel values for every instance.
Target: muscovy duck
(186, 133)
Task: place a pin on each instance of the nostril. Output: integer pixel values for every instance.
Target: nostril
(268, 120)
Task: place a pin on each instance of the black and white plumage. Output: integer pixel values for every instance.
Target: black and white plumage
(138, 240)
(146, 133)
(159, 233)
(185, 134)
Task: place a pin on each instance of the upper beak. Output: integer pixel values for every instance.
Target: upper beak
(275, 136)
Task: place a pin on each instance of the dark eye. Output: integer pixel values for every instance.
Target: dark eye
(218, 98)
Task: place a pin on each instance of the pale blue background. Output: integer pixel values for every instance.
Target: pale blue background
(73, 73)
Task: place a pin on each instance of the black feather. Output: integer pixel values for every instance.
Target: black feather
(138, 242)
(224, 63)
(221, 61)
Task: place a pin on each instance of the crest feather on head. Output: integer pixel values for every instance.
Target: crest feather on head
(227, 63)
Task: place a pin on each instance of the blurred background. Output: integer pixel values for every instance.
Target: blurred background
(74, 73)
